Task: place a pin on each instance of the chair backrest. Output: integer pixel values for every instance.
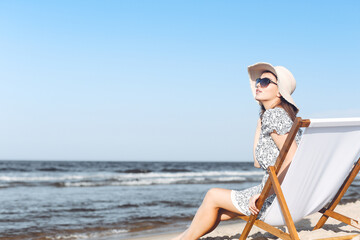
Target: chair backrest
(326, 154)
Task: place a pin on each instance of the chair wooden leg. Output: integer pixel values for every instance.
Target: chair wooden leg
(349, 221)
(248, 226)
(350, 178)
(273, 230)
(284, 208)
(321, 222)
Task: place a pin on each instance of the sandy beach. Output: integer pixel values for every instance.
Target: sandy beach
(332, 228)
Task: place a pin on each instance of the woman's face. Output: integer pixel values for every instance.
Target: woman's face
(269, 93)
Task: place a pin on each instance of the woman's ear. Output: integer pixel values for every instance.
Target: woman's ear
(278, 94)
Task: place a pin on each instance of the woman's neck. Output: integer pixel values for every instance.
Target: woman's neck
(271, 104)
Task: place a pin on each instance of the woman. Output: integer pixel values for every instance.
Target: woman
(272, 88)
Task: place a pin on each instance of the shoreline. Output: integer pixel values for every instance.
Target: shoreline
(232, 229)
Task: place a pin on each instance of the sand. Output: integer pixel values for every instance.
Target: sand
(332, 228)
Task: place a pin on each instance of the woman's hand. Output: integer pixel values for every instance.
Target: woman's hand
(252, 204)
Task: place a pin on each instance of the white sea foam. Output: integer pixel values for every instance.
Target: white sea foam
(191, 174)
(117, 231)
(181, 180)
(229, 179)
(128, 179)
(39, 179)
(187, 177)
(46, 178)
(156, 181)
(91, 235)
(121, 176)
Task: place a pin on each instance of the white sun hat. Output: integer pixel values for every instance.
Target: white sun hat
(285, 80)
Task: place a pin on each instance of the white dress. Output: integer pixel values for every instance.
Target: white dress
(266, 153)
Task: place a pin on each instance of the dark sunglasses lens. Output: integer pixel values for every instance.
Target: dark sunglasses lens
(264, 82)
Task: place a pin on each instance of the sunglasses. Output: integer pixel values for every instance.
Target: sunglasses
(264, 82)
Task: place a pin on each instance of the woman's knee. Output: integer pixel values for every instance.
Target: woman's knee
(219, 198)
(211, 195)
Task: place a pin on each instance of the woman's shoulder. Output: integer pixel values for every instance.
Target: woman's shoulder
(275, 113)
(276, 119)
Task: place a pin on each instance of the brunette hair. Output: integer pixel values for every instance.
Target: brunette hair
(288, 107)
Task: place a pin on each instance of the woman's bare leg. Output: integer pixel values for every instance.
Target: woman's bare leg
(216, 206)
(223, 215)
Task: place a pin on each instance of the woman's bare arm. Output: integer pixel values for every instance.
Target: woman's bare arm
(256, 140)
(279, 141)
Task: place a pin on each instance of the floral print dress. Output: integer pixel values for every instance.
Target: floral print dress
(266, 153)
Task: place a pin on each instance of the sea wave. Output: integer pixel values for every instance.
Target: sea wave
(128, 179)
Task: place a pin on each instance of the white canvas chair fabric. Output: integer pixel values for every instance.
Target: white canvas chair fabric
(325, 156)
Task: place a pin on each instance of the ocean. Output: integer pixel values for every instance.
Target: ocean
(112, 200)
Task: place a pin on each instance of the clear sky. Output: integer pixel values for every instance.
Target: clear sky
(164, 80)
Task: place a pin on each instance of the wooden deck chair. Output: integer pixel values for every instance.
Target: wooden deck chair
(325, 164)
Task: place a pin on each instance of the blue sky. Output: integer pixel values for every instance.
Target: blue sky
(164, 80)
